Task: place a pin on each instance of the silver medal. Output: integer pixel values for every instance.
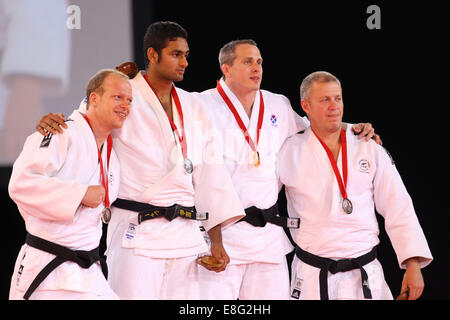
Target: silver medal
(347, 206)
(188, 166)
(106, 215)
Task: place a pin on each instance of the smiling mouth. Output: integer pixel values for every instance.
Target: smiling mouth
(122, 114)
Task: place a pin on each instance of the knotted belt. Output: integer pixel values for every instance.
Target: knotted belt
(83, 258)
(147, 211)
(259, 217)
(335, 266)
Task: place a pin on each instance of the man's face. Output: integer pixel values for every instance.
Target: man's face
(324, 105)
(113, 106)
(173, 60)
(246, 70)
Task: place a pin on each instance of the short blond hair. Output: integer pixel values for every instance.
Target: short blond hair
(95, 83)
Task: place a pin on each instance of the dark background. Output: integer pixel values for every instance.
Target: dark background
(390, 77)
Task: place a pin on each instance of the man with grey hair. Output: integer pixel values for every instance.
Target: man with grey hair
(252, 125)
(63, 186)
(318, 76)
(333, 182)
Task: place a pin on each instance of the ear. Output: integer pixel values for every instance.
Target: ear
(225, 70)
(152, 55)
(93, 99)
(305, 106)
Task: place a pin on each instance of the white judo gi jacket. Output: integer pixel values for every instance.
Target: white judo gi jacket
(152, 172)
(48, 182)
(313, 194)
(256, 186)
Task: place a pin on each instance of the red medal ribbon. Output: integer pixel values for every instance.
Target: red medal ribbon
(102, 172)
(239, 120)
(342, 185)
(180, 113)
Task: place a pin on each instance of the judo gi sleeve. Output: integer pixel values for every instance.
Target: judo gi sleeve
(214, 190)
(394, 203)
(37, 185)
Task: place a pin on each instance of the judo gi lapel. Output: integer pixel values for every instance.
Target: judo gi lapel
(250, 123)
(155, 104)
(246, 154)
(81, 123)
(324, 165)
(169, 137)
(321, 155)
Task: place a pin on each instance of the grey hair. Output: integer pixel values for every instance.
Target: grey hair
(227, 55)
(318, 76)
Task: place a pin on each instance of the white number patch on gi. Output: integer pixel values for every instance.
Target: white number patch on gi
(131, 232)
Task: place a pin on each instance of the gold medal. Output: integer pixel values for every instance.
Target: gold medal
(256, 159)
(209, 261)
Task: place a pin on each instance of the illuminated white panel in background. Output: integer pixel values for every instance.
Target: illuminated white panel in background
(48, 51)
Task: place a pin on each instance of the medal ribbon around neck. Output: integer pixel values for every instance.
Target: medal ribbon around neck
(241, 123)
(102, 172)
(180, 113)
(342, 184)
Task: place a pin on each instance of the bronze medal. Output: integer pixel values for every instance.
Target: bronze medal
(106, 215)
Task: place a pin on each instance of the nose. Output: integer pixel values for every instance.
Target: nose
(125, 105)
(256, 67)
(183, 62)
(333, 104)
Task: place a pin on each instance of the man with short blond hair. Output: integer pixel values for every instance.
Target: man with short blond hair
(63, 186)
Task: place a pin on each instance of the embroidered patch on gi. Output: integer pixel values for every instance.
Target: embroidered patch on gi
(19, 273)
(85, 100)
(273, 120)
(364, 166)
(131, 232)
(46, 141)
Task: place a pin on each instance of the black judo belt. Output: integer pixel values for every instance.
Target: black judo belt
(83, 258)
(259, 217)
(335, 266)
(147, 211)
